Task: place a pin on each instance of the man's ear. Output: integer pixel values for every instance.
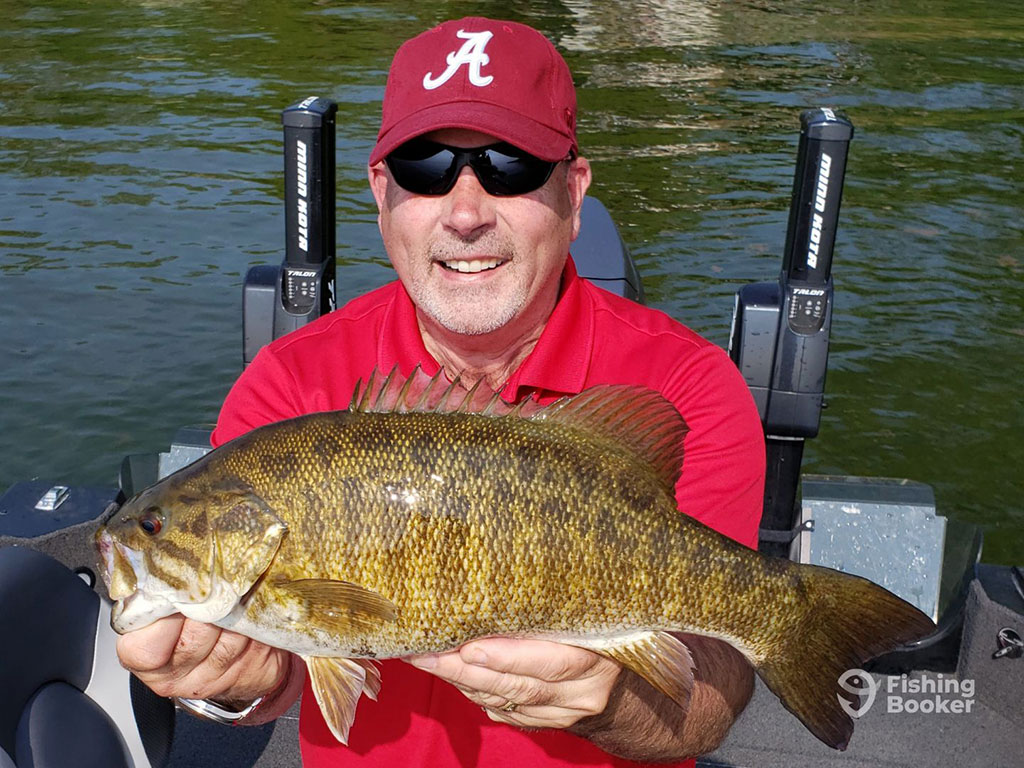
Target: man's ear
(378, 178)
(578, 178)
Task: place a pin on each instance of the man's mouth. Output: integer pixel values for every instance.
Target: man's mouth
(471, 265)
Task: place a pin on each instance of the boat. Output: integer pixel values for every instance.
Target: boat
(950, 698)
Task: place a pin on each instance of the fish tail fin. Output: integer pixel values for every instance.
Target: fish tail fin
(849, 621)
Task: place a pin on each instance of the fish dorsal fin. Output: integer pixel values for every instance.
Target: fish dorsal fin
(420, 392)
(636, 418)
(639, 419)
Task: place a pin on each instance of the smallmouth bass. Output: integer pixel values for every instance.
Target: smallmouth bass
(424, 517)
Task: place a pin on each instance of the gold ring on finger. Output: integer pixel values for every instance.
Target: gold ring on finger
(508, 707)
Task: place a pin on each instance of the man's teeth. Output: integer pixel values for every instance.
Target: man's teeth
(476, 265)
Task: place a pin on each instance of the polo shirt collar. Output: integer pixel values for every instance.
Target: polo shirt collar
(400, 342)
(557, 365)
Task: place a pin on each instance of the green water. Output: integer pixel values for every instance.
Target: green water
(140, 176)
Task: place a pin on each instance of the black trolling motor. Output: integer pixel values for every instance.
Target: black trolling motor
(781, 329)
(302, 288)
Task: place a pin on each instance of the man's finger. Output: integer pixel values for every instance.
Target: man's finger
(539, 659)
(451, 668)
(224, 652)
(490, 688)
(537, 717)
(475, 680)
(151, 647)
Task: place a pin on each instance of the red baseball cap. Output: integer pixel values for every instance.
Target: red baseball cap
(497, 77)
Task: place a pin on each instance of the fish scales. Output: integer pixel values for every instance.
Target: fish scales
(520, 534)
(424, 517)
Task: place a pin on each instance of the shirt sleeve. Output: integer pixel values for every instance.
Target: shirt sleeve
(722, 479)
(265, 392)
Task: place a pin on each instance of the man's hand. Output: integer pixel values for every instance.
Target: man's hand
(551, 685)
(562, 686)
(176, 656)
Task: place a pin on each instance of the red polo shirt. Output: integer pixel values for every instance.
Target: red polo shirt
(592, 337)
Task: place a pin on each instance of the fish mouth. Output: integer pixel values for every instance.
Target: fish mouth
(117, 614)
(105, 547)
(134, 607)
(139, 610)
(118, 572)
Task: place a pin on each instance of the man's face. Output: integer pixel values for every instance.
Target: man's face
(475, 263)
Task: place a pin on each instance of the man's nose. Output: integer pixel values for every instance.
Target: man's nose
(470, 209)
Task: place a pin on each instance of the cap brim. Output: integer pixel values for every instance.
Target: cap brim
(536, 138)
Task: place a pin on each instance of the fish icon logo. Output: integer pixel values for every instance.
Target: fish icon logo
(862, 686)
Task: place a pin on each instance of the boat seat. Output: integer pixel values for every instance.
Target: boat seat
(66, 700)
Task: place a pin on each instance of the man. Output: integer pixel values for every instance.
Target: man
(479, 187)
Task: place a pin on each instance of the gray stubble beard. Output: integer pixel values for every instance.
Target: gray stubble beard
(488, 313)
(485, 317)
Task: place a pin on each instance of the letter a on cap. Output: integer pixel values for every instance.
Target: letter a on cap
(471, 54)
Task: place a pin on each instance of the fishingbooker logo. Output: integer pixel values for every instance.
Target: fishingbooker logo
(902, 693)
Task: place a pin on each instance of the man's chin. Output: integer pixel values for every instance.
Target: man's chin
(477, 319)
(469, 326)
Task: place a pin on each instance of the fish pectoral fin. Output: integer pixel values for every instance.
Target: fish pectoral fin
(661, 659)
(337, 684)
(339, 607)
(246, 538)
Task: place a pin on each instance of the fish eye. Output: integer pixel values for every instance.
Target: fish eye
(150, 521)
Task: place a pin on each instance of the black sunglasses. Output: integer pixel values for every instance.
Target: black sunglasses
(427, 168)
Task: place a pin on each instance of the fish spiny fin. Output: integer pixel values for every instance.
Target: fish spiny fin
(361, 395)
(403, 393)
(422, 393)
(337, 684)
(480, 399)
(636, 417)
(639, 419)
(851, 620)
(338, 607)
(389, 391)
(661, 659)
(396, 393)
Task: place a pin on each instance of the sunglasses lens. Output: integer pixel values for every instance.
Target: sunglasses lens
(427, 168)
(505, 170)
(423, 167)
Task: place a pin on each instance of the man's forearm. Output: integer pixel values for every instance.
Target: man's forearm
(640, 723)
